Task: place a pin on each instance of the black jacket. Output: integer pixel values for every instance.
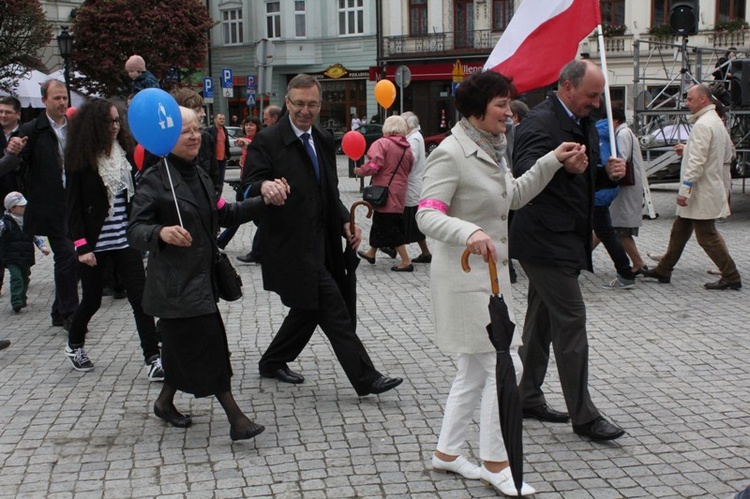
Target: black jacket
(10, 181)
(41, 171)
(87, 208)
(206, 160)
(555, 227)
(306, 232)
(15, 246)
(180, 281)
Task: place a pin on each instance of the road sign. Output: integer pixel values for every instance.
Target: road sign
(403, 76)
(208, 88)
(265, 51)
(226, 78)
(251, 83)
(251, 100)
(454, 86)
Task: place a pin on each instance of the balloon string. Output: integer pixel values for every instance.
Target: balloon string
(174, 196)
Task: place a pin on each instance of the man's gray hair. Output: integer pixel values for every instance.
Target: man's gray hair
(412, 121)
(573, 72)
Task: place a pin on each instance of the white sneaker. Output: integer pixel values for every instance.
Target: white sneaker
(502, 481)
(155, 370)
(460, 466)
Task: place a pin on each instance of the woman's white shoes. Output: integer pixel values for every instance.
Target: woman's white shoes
(502, 481)
(460, 466)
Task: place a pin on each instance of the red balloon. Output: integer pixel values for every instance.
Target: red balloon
(71, 112)
(353, 144)
(139, 155)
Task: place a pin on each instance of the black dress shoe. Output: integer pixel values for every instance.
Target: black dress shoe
(544, 413)
(408, 268)
(599, 429)
(176, 419)
(285, 375)
(389, 251)
(723, 284)
(249, 431)
(382, 384)
(422, 259)
(249, 258)
(653, 274)
(363, 256)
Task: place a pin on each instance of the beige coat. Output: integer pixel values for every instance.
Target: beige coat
(478, 195)
(705, 161)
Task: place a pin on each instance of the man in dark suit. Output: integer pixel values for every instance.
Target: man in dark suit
(301, 245)
(44, 187)
(551, 237)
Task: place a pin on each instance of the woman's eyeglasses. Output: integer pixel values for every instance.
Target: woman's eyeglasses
(192, 131)
(115, 122)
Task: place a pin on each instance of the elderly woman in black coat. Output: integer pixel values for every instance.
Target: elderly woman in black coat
(181, 286)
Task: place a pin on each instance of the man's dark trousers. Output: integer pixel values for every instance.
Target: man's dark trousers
(336, 323)
(66, 277)
(557, 314)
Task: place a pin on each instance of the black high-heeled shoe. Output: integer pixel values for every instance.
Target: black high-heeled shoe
(177, 420)
(250, 431)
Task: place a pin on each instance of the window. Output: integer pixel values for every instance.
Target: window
(417, 17)
(613, 12)
(730, 10)
(273, 19)
(231, 25)
(502, 11)
(300, 26)
(660, 13)
(351, 17)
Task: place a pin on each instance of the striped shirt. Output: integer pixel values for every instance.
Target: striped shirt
(113, 235)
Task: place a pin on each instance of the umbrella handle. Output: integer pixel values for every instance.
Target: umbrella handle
(354, 208)
(493, 270)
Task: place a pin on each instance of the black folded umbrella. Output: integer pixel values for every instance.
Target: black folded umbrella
(500, 330)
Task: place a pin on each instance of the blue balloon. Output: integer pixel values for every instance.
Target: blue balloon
(155, 120)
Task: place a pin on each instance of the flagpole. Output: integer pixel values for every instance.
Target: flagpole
(607, 97)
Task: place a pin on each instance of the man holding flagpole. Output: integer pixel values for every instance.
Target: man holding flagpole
(551, 237)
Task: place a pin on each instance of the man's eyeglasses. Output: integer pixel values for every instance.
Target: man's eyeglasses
(312, 106)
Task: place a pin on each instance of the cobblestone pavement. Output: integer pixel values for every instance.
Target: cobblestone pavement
(668, 362)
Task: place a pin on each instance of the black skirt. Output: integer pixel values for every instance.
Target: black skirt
(195, 355)
(387, 230)
(412, 234)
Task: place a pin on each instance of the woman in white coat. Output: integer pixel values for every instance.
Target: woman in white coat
(467, 193)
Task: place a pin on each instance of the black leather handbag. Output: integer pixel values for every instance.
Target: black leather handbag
(377, 195)
(228, 280)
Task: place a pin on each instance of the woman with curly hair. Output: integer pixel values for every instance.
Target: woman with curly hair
(99, 189)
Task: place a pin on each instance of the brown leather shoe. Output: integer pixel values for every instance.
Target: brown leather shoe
(723, 284)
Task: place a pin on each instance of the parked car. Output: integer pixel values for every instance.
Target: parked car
(235, 151)
(371, 131)
(432, 141)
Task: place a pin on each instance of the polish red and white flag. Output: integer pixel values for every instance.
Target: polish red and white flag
(542, 36)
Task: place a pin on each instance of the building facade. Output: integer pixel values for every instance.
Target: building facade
(333, 40)
(440, 39)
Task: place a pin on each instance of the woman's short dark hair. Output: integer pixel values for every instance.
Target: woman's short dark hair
(476, 91)
(254, 120)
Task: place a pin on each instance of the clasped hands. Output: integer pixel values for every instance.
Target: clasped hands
(275, 191)
(15, 144)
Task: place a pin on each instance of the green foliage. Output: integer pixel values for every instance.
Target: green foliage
(614, 29)
(731, 26)
(660, 31)
(24, 31)
(166, 33)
